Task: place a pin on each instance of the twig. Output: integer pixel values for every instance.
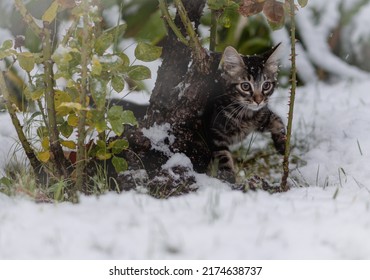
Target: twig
(35, 163)
(195, 44)
(284, 180)
(81, 147)
(166, 15)
(194, 40)
(60, 162)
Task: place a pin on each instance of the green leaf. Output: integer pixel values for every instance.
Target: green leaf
(146, 52)
(65, 129)
(111, 62)
(129, 118)
(139, 72)
(120, 164)
(5, 181)
(62, 97)
(302, 3)
(118, 146)
(118, 83)
(216, 4)
(42, 132)
(117, 31)
(96, 118)
(51, 12)
(103, 43)
(37, 94)
(103, 155)
(98, 89)
(26, 61)
(115, 119)
(72, 120)
(96, 67)
(7, 44)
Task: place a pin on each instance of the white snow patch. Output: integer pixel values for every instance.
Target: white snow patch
(158, 135)
(178, 159)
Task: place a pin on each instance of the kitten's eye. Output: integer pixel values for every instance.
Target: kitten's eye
(266, 86)
(245, 86)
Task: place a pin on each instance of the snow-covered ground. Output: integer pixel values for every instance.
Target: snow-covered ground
(325, 216)
(327, 219)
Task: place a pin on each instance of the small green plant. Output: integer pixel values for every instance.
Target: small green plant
(70, 81)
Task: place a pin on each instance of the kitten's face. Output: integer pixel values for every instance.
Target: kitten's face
(251, 79)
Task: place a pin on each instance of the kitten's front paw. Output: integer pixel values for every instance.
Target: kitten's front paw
(226, 175)
(279, 142)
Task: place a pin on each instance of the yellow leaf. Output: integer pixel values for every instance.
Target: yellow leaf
(71, 105)
(68, 144)
(44, 156)
(72, 120)
(45, 143)
(51, 12)
(62, 97)
(96, 66)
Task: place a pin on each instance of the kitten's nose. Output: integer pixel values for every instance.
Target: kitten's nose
(258, 99)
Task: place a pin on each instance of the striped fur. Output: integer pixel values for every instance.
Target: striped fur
(240, 106)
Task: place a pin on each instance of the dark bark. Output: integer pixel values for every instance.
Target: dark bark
(178, 98)
(181, 92)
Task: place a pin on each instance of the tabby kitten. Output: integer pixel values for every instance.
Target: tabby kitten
(239, 105)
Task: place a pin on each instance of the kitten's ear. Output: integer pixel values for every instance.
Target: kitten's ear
(272, 58)
(231, 62)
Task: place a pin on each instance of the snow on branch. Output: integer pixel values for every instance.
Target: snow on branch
(315, 39)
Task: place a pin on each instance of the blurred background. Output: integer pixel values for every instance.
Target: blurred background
(333, 36)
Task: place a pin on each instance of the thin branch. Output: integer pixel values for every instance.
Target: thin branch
(284, 186)
(61, 164)
(81, 147)
(35, 163)
(166, 15)
(198, 51)
(194, 40)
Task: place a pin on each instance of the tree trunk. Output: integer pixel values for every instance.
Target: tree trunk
(178, 98)
(181, 92)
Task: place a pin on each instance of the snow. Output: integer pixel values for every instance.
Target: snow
(158, 135)
(325, 215)
(327, 218)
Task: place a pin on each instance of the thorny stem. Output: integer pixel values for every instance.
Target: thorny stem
(60, 162)
(81, 148)
(166, 15)
(195, 43)
(284, 180)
